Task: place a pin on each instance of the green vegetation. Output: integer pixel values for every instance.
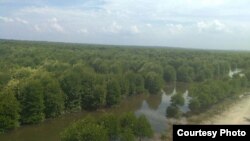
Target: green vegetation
(32, 102)
(40, 80)
(185, 73)
(113, 93)
(169, 74)
(178, 99)
(153, 83)
(173, 111)
(109, 128)
(9, 111)
(211, 92)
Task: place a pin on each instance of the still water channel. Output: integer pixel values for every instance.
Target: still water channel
(152, 106)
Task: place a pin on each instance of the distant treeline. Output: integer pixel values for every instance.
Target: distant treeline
(44, 80)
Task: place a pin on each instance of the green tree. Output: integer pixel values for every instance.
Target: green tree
(95, 99)
(139, 83)
(178, 99)
(124, 85)
(173, 111)
(143, 128)
(153, 83)
(247, 74)
(53, 95)
(70, 84)
(4, 78)
(203, 73)
(194, 105)
(9, 111)
(85, 130)
(32, 102)
(113, 93)
(112, 124)
(169, 74)
(135, 82)
(128, 121)
(127, 135)
(185, 73)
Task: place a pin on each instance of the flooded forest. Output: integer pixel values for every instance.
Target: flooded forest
(48, 90)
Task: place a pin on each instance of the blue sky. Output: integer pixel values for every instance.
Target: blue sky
(206, 24)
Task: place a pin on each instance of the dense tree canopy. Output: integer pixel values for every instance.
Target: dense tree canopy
(113, 92)
(109, 127)
(44, 80)
(178, 99)
(9, 111)
(173, 111)
(32, 102)
(169, 74)
(205, 94)
(153, 83)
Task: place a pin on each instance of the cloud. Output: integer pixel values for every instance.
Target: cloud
(142, 22)
(48, 26)
(175, 28)
(134, 29)
(55, 25)
(211, 26)
(113, 28)
(6, 19)
(21, 21)
(37, 28)
(17, 20)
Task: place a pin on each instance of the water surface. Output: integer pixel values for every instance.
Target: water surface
(152, 106)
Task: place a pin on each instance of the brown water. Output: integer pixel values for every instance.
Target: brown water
(152, 106)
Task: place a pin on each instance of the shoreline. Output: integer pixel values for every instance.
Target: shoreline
(230, 111)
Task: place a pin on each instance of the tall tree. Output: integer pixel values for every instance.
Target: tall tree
(94, 99)
(153, 83)
(9, 111)
(32, 102)
(85, 131)
(185, 73)
(70, 84)
(113, 92)
(143, 128)
(169, 74)
(53, 95)
(173, 111)
(111, 123)
(178, 99)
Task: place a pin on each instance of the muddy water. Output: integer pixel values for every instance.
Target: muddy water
(152, 106)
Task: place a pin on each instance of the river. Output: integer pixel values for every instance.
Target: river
(152, 106)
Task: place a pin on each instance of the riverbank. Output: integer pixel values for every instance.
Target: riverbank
(230, 111)
(238, 113)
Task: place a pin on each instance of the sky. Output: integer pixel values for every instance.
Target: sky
(205, 24)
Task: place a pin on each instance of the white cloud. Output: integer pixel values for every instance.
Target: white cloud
(37, 28)
(21, 21)
(17, 20)
(54, 24)
(175, 28)
(113, 28)
(211, 26)
(6, 19)
(162, 22)
(134, 29)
